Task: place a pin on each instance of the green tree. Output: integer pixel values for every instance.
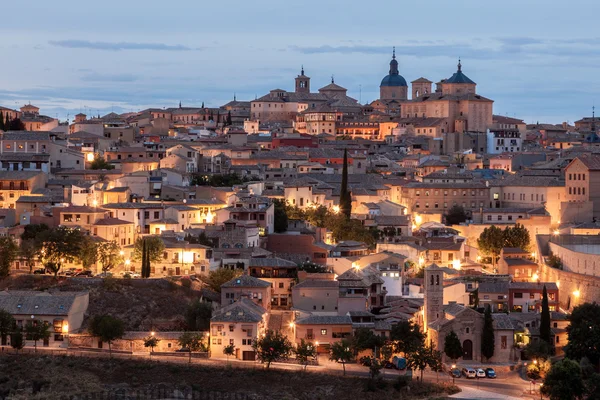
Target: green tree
(29, 252)
(9, 250)
(545, 332)
(305, 351)
(271, 347)
(456, 215)
(89, 252)
(345, 195)
(564, 381)
(100, 163)
(155, 248)
(418, 359)
(407, 337)
(538, 369)
(33, 231)
(228, 120)
(584, 333)
(16, 125)
(7, 324)
(197, 316)
(341, 353)
(487, 335)
(109, 255)
(364, 339)
(280, 216)
(151, 341)
(17, 341)
(36, 331)
(60, 245)
(312, 268)
(452, 346)
(537, 350)
(2, 126)
(517, 236)
(317, 216)
(554, 261)
(491, 242)
(434, 361)
(107, 328)
(146, 269)
(192, 342)
(218, 277)
(375, 366)
(229, 350)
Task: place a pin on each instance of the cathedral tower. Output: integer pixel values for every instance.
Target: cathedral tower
(393, 86)
(434, 294)
(302, 83)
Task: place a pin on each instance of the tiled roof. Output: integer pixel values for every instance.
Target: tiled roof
(502, 321)
(37, 303)
(533, 285)
(325, 320)
(18, 175)
(243, 310)
(112, 221)
(245, 281)
(592, 161)
(493, 287)
(317, 283)
(272, 262)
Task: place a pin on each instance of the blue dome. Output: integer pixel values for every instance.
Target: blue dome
(393, 80)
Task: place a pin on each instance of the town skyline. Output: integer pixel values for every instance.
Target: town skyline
(142, 62)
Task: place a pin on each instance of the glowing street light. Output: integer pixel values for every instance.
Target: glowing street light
(152, 333)
(556, 232)
(336, 209)
(577, 293)
(121, 253)
(535, 277)
(456, 264)
(127, 262)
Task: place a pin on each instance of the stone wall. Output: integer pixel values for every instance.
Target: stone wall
(569, 283)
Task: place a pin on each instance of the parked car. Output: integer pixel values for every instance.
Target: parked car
(86, 273)
(455, 373)
(480, 373)
(388, 365)
(490, 373)
(40, 271)
(469, 373)
(104, 275)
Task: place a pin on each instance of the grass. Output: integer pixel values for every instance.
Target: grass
(47, 377)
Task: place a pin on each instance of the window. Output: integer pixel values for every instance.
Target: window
(156, 214)
(323, 332)
(467, 330)
(518, 295)
(68, 217)
(503, 342)
(531, 295)
(486, 296)
(280, 285)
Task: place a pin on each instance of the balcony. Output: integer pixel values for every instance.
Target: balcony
(340, 335)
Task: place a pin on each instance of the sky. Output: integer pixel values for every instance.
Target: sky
(538, 60)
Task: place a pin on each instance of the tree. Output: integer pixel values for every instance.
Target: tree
(16, 125)
(364, 339)
(145, 260)
(435, 360)
(584, 333)
(317, 216)
(554, 261)
(537, 350)
(108, 329)
(452, 346)
(37, 330)
(218, 277)
(305, 351)
(228, 121)
(271, 347)
(16, 340)
(155, 248)
(197, 316)
(29, 251)
(89, 252)
(312, 268)
(491, 242)
(192, 342)
(8, 254)
(564, 381)
(7, 324)
(340, 353)
(474, 297)
(109, 255)
(517, 236)
(60, 245)
(33, 231)
(456, 215)
(407, 337)
(538, 369)
(487, 335)
(345, 195)
(375, 366)
(280, 216)
(229, 350)
(545, 332)
(151, 341)
(2, 126)
(418, 359)
(100, 163)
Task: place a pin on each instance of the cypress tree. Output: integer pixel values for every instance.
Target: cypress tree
(144, 258)
(487, 336)
(345, 196)
(545, 333)
(2, 121)
(229, 118)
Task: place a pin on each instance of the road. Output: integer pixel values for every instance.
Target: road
(510, 384)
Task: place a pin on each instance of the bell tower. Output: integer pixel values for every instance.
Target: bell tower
(434, 294)
(302, 82)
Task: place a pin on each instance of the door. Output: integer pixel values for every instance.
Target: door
(46, 342)
(248, 356)
(177, 271)
(467, 350)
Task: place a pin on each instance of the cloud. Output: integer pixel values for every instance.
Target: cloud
(117, 46)
(96, 77)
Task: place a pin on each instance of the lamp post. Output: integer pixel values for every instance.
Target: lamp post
(541, 384)
(65, 331)
(452, 372)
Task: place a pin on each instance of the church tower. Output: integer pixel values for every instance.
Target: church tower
(434, 294)
(302, 83)
(393, 86)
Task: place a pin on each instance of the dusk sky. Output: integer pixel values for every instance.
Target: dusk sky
(538, 60)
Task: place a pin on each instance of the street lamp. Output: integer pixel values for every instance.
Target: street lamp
(541, 384)
(452, 372)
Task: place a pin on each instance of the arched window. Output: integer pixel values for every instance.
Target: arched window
(437, 280)
(431, 280)
(226, 245)
(239, 246)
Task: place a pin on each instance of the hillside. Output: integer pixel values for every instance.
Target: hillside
(43, 377)
(143, 304)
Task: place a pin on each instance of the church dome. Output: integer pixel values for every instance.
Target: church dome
(394, 78)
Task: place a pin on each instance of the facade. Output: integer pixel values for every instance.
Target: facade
(316, 295)
(280, 274)
(526, 297)
(323, 330)
(14, 184)
(257, 290)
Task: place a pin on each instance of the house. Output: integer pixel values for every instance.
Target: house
(238, 324)
(319, 295)
(63, 311)
(526, 297)
(14, 184)
(280, 273)
(257, 290)
(323, 330)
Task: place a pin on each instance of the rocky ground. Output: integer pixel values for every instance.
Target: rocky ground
(141, 303)
(60, 377)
